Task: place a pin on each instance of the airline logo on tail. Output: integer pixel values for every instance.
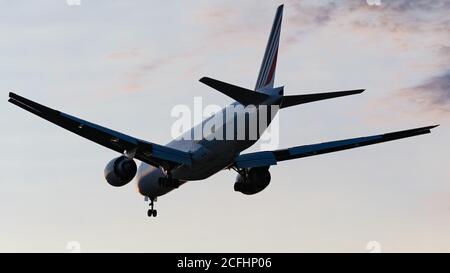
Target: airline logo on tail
(266, 75)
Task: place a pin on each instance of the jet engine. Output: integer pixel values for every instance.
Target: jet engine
(255, 180)
(120, 171)
(149, 181)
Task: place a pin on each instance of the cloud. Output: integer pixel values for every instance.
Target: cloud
(444, 51)
(399, 17)
(433, 94)
(122, 55)
(417, 27)
(413, 28)
(402, 15)
(144, 65)
(317, 15)
(416, 5)
(400, 22)
(306, 18)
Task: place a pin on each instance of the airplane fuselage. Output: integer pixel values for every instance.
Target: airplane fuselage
(211, 155)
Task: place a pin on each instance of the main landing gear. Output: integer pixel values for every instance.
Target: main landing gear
(165, 182)
(152, 212)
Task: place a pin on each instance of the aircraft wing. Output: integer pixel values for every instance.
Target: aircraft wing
(267, 158)
(154, 154)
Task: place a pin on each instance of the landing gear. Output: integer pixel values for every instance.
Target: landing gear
(152, 212)
(242, 172)
(164, 182)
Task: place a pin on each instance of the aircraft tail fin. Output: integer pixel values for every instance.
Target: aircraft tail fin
(267, 71)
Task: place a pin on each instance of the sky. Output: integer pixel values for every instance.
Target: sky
(126, 64)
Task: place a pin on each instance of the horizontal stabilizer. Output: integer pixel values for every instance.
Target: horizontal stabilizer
(300, 99)
(240, 94)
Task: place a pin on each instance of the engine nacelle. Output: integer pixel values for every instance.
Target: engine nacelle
(148, 181)
(120, 171)
(257, 179)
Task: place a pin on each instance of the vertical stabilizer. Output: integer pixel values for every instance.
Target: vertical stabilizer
(267, 71)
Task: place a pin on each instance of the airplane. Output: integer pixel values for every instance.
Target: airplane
(164, 168)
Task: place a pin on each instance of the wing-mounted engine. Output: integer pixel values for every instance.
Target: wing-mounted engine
(150, 182)
(253, 180)
(120, 171)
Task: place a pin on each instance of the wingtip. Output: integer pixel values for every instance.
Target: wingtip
(356, 91)
(13, 96)
(428, 128)
(434, 126)
(280, 8)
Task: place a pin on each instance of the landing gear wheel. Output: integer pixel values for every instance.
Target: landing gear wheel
(152, 212)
